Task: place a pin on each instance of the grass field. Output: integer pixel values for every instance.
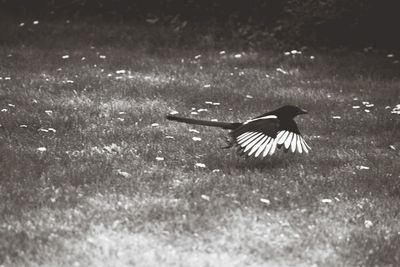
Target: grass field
(93, 175)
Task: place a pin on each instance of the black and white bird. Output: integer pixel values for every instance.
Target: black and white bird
(263, 134)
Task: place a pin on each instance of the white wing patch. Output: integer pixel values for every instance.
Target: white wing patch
(257, 143)
(244, 136)
(250, 139)
(261, 145)
(294, 142)
(268, 148)
(251, 144)
(261, 118)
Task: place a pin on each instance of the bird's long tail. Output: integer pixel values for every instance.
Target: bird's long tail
(224, 125)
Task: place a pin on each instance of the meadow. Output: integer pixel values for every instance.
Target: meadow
(93, 175)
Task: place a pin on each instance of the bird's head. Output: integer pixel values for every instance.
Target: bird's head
(289, 111)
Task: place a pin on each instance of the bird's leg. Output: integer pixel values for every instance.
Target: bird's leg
(229, 143)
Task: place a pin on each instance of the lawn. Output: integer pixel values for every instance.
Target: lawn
(93, 175)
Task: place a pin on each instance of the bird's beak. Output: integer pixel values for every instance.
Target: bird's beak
(303, 111)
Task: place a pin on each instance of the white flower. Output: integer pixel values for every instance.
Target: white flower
(120, 72)
(368, 224)
(152, 20)
(41, 149)
(222, 52)
(326, 200)
(356, 107)
(159, 158)
(205, 197)
(265, 201)
(35, 22)
(197, 57)
(65, 57)
(336, 117)
(196, 139)
(102, 57)
(238, 56)
(281, 71)
(200, 165)
(207, 86)
(360, 167)
(249, 96)
(124, 174)
(155, 125)
(174, 112)
(193, 131)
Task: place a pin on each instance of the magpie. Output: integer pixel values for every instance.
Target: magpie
(261, 135)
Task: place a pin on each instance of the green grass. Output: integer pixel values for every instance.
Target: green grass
(98, 197)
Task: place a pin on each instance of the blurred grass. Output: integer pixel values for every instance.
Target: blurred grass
(98, 196)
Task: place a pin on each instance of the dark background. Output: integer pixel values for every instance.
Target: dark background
(350, 23)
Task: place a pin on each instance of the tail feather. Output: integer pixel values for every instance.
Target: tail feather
(224, 125)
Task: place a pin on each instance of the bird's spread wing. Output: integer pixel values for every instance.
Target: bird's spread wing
(257, 136)
(290, 138)
(261, 136)
(293, 141)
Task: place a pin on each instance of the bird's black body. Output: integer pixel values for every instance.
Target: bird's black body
(263, 134)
